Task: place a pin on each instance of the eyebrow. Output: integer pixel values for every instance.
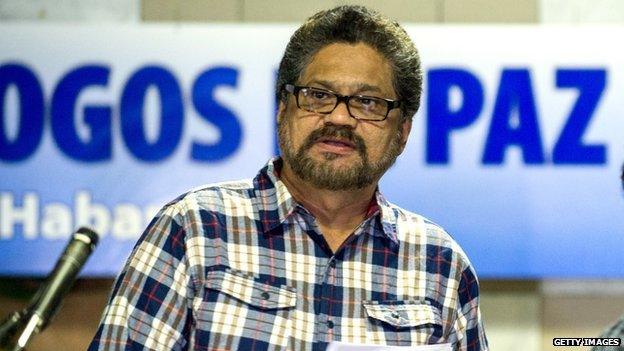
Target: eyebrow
(359, 87)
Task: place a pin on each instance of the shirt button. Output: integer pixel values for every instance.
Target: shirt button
(330, 324)
(332, 264)
(265, 295)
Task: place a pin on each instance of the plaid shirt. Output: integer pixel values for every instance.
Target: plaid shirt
(243, 266)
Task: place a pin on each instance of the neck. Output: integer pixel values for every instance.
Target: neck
(335, 209)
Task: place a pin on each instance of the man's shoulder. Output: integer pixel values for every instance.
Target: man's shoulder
(415, 229)
(412, 221)
(213, 197)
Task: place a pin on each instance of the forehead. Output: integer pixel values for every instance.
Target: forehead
(348, 68)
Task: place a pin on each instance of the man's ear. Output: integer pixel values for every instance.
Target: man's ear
(404, 129)
(281, 110)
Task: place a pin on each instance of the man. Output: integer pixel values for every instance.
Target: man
(309, 252)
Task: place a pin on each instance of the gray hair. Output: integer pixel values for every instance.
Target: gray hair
(356, 24)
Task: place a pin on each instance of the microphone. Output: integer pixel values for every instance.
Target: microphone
(47, 300)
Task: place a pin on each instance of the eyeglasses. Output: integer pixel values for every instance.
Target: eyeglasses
(323, 101)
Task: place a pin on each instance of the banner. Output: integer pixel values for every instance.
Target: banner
(516, 150)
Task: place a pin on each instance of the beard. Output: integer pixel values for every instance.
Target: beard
(324, 174)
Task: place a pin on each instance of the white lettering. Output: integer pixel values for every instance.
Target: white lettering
(10, 215)
(52, 221)
(56, 222)
(127, 221)
(91, 215)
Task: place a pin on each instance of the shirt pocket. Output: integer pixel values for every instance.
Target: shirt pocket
(239, 311)
(403, 323)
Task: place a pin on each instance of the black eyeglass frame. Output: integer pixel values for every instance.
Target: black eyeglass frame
(294, 89)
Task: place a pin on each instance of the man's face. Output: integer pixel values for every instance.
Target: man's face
(336, 151)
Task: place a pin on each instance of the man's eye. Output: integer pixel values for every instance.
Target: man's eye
(319, 95)
(366, 101)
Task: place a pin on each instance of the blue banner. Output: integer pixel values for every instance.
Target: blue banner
(516, 151)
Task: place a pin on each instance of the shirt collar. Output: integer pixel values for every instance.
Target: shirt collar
(274, 200)
(388, 217)
(276, 203)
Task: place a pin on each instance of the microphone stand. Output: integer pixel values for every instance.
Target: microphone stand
(11, 325)
(29, 331)
(34, 318)
(20, 321)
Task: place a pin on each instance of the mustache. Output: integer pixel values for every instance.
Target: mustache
(339, 132)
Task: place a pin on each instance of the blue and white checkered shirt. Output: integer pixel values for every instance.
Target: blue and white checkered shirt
(243, 266)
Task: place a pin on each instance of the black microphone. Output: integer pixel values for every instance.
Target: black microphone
(47, 300)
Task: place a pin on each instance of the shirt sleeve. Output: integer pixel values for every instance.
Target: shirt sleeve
(468, 324)
(149, 306)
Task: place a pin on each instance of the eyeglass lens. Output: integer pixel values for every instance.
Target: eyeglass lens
(361, 107)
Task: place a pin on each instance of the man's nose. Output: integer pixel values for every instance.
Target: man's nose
(340, 116)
